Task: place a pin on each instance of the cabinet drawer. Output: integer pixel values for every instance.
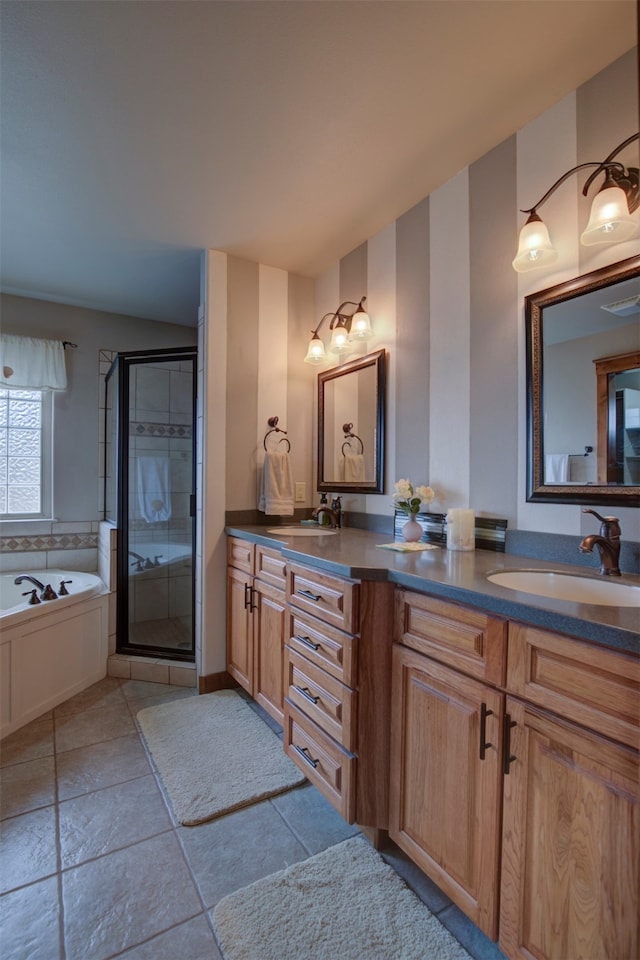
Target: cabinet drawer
(332, 599)
(461, 637)
(270, 567)
(323, 698)
(325, 646)
(594, 686)
(240, 554)
(330, 768)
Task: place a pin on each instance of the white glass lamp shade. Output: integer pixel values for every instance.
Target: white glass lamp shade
(360, 326)
(610, 220)
(339, 338)
(534, 247)
(315, 352)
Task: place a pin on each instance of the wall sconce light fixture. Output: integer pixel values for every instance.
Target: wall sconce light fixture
(345, 329)
(610, 220)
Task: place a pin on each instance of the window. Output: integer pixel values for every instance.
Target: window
(25, 447)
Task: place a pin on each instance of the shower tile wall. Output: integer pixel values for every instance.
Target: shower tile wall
(161, 414)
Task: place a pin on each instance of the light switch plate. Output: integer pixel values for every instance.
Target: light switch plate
(300, 494)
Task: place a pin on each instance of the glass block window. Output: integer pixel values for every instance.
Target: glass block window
(23, 455)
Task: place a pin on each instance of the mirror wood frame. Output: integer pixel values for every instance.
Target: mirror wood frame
(376, 360)
(535, 305)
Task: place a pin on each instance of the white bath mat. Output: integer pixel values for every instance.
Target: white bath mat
(215, 755)
(346, 903)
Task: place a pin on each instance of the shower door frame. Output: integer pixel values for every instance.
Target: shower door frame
(124, 361)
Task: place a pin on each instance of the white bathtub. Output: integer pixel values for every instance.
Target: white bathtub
(14, 606)
(52, 650)
(166, 554)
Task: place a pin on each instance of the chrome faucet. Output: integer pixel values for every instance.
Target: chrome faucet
(608, 543)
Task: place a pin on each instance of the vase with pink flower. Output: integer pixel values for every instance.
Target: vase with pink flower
(410, 499)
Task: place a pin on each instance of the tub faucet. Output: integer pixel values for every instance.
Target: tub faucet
(21, 579)
(608, 543)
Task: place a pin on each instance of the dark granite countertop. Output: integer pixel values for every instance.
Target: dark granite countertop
(460, 577)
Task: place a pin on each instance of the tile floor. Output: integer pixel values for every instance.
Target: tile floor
(93, 865)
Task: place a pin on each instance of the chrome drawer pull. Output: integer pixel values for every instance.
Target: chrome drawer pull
(309, 595)
(306, 756)
(306, 693)
(307, 642)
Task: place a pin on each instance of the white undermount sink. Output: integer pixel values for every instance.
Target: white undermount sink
(566, 586)
(303, 531)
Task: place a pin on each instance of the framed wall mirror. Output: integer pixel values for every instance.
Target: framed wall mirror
(351, 413)
(583, 388)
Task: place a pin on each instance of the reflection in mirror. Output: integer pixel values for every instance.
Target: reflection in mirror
(583, 388)
(351, 426)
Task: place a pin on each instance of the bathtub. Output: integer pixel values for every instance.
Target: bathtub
(167, 554)
(52, 650)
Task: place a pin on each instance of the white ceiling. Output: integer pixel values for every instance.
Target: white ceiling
(137, 133)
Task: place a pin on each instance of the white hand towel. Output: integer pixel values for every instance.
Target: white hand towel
(353, 467)
(276, 484)
(556, 468)
(154, 498)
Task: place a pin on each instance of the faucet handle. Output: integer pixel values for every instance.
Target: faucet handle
(34, 596)
(609, 526)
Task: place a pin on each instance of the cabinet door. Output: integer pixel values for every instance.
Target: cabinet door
(445, 799)
(269, 629)
(570, 853)
(239, 628)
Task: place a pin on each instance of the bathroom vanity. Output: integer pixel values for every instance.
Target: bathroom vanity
(493, 733)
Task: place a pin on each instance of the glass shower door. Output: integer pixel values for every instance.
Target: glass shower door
(156, 504)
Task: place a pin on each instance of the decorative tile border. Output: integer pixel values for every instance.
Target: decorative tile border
(141, 429)
(53, 541)
(490, 531)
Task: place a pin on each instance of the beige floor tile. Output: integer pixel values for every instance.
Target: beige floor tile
(100, 765)
(235, 850)
(92, 726)
(89, 829)
(29, 920)
(106, 692)
(124, 898)
(30, 742)
(27, 786)
(27, 848)
(193, 940)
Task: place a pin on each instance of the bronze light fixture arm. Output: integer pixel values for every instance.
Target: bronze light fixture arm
(338, 315)
(628, 178)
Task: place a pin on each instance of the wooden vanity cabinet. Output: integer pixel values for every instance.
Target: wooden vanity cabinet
(338, 660)
(571, 808)
(446, 749)
(519, 797)
(256, 610)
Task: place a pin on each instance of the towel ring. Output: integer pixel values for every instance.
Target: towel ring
(347, 429)
(273, 423)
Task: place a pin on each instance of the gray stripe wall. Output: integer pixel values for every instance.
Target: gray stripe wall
(242, 383)
(606, 114)
(457, 344)
(412, 344)
(493, 411)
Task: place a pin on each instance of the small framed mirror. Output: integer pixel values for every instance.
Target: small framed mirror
(351, 413)
(583, 388)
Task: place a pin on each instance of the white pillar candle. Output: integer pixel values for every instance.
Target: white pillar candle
(461, 529)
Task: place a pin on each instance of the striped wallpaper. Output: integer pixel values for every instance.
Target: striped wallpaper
(446, 305)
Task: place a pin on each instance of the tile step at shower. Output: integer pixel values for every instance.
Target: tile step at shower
(152, 670)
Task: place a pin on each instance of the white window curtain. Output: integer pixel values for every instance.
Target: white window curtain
(27, 363)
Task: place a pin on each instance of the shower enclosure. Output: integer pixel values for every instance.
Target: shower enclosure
(150, 497)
